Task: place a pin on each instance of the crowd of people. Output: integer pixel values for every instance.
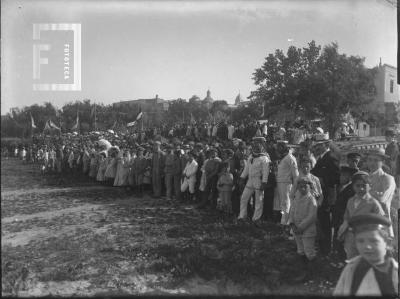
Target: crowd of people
(323, 200)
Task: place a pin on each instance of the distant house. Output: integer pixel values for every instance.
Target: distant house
(153, 109)
(361, 128)
(387, 89)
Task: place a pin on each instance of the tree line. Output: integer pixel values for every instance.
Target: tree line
(307, 83)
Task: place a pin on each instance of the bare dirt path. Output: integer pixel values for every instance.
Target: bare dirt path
(74, 237)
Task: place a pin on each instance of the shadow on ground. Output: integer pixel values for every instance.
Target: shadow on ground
(74, 237)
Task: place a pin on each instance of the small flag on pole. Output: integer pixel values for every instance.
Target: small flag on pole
(53, 126)
(33, 122)
(93, 111)
(138, 117)
(262, 110)
(75, 127)
(192, 120)
(46, 127)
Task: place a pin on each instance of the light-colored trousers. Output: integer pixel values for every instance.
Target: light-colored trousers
(189, 183)
(284, 199)
(253, 186)
(305, 246)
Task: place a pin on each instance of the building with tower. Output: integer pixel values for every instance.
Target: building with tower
(208, 100)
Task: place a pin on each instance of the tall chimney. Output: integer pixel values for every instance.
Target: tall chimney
(380, 61)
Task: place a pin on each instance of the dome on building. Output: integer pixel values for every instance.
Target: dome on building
(194, 98)
(238, 99)
(208, 98)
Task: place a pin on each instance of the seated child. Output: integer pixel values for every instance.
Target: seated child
(373, 272)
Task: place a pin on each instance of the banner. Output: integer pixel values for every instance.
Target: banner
(46, 127)
(53, 126)
(138, 117)
(33, 123)
(76, 126)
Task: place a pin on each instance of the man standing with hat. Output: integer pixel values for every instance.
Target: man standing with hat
(256, 171)
(392, 150)
(383, 185)
(286, 175)
(211, 169)
(328, 171)
(157, 169)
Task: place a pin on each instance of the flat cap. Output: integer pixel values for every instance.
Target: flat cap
(380, 152)
(359, 222)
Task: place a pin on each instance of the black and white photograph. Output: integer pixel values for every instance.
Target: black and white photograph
(199, 148)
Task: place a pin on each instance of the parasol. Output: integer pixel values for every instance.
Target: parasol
(105, 143)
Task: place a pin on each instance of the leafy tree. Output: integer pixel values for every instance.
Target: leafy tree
(314, 83)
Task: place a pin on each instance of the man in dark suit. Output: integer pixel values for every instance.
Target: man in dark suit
(328, 171)
(345, 192)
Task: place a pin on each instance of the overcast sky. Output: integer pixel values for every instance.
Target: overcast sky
(137, 49)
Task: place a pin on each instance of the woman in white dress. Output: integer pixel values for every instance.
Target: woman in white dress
(123, 159)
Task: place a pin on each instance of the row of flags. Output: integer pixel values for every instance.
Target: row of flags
(50, 125)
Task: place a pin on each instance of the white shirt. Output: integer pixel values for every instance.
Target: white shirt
(231, 130)
(190, 169)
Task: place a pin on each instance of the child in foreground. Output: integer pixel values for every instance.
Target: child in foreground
(361, 203)
(373, 272)
(302, 220)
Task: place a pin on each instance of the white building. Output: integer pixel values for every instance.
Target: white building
(387, 88)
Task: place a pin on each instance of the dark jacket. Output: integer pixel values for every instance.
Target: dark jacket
(327, 170)
(340, 205)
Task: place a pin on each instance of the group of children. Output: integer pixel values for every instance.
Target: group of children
(363, 232)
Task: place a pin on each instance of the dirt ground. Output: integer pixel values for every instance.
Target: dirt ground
(74, 237)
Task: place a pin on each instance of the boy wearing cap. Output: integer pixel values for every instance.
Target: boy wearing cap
(373, 272)
(316, 190)
(302, 220)
(360, 204)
